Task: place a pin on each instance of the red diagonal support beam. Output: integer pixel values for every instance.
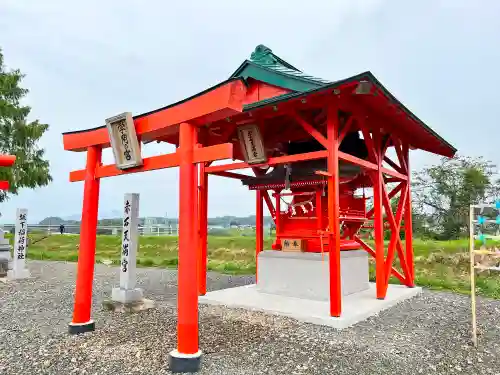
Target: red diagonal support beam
(370, 251)
(346, 128)
(391, 195)
(370, 145)
(265, 194)
(310, 129)
(395, 241)
(399, 152)
(396, 167)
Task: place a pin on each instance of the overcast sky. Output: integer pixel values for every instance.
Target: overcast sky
(88, 60)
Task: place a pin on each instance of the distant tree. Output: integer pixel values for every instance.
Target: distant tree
(20, 137)
(444, 192)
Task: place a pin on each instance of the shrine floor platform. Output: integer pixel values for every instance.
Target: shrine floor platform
(356, 307)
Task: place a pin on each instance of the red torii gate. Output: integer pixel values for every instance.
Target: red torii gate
(203, 128)
(182, 119)
(6, 161)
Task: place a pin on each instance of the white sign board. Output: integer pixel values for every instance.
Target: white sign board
(130, 236)
(251, 143)
(123, 139)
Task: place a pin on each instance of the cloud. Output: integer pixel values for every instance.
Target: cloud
(92, 59)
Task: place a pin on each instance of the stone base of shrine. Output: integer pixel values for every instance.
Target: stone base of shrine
(297, 285)
(307, 275)
(356, 307)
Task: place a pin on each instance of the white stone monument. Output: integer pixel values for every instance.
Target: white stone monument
(127, 292)
(19, 270)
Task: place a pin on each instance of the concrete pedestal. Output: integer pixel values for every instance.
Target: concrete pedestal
(356, 307)
(184, 363)
(126, 295)
(297, 285)
(23, 273)
(306, 275)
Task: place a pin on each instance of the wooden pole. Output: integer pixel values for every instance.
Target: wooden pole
(408, 221)
(187, 324)
(259, 228)
(277, 221)
(472, 276)
(378, 223)
(333, 212)
(203, 228)
(82, 321)
(319, 209)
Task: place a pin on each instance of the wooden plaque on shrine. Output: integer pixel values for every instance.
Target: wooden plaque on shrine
(292, 245)
(251, 143)
(123, 139)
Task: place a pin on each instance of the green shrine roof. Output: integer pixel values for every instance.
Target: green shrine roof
(267, 67)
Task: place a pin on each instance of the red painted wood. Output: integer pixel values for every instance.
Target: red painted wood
(258, 91)
(270, 161)
(86, 251)
(395, 242)
(7, 160)
(370, 251)
(396, 167)
(4, 185)
(277, 222)
(237, 176)
(216, 104)
(408, 222)
(310, 129)
(259, 228)
(187, 321)
(334, 211)
(203, 231)
(346, 129)
(319, 210)
(378, 222)
(204, 154)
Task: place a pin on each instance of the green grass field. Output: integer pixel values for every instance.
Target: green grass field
(440, 265)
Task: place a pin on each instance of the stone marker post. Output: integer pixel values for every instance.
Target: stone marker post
(127, 292)
(19, 270)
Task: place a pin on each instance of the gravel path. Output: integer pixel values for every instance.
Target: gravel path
(426, 335)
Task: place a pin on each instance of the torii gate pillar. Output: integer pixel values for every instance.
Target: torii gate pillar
(187, 356)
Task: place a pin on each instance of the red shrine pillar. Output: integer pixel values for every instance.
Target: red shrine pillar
(277, 220)
(259, 228)
(333, 211)
(187, 356)
(408, 219)
(378, 222)
(82, 321)
(202, 229)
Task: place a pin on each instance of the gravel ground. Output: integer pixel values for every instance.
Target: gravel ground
(426, 335)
